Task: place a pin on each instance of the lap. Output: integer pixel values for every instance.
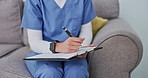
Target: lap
(77, 68)
(34, 65)
(76, 63)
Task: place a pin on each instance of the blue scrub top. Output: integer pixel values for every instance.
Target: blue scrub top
(47, 16)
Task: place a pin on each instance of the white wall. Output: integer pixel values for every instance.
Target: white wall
(135, 12)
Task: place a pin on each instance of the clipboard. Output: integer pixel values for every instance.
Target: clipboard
(62, 56)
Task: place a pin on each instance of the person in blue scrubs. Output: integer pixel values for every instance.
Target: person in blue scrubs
(47, 16)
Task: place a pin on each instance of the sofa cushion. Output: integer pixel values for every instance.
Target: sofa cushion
(25, 37)
(10, 21)
(14, 64)
(7, 48)
(107, 8)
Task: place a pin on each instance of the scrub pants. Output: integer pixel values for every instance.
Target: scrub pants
(76, 68)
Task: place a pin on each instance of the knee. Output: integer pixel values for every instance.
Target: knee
(48, 73)
(77, 72)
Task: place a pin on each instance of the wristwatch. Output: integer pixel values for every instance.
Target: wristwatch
(52, 47)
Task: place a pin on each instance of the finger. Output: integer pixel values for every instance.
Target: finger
(74, 48)
(75, 44)
(82, 56)
(80, 40)
(71, 51)
(73, 39)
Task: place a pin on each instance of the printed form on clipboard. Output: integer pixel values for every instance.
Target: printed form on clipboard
(62, 56)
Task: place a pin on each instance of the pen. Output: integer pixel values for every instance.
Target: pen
(66, 30)
(97, 48)
(70, 35)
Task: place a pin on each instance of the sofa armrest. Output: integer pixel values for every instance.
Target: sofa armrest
(121, 53)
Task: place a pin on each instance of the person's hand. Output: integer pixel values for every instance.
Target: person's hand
(84, 55)
(70, 45)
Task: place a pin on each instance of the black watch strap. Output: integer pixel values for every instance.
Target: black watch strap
(52, 47)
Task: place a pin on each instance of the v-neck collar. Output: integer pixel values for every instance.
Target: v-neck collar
(67, 1)
(60, 3)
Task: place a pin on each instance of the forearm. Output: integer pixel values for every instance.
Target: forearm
(38, 45)
(36, 41)
(86, 32)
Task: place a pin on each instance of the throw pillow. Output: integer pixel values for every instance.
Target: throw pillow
(97, 24)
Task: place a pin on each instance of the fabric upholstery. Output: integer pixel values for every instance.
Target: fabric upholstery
(25, 37)
(122, 48)
(10, 21)
(7, 48)
(117, 59)
(107, 8)
(14, 64)
(7, 74)
(117, 27)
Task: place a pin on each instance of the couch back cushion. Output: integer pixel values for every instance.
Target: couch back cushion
(10, 21)
(106, 8)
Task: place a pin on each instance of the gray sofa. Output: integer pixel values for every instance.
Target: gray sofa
(121, 54)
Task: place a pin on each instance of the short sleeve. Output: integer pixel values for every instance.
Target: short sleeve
(89, 12)
(32, 17)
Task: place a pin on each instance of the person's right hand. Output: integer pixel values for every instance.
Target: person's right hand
(70, 45)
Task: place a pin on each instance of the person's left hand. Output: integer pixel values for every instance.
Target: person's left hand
(84, 55)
